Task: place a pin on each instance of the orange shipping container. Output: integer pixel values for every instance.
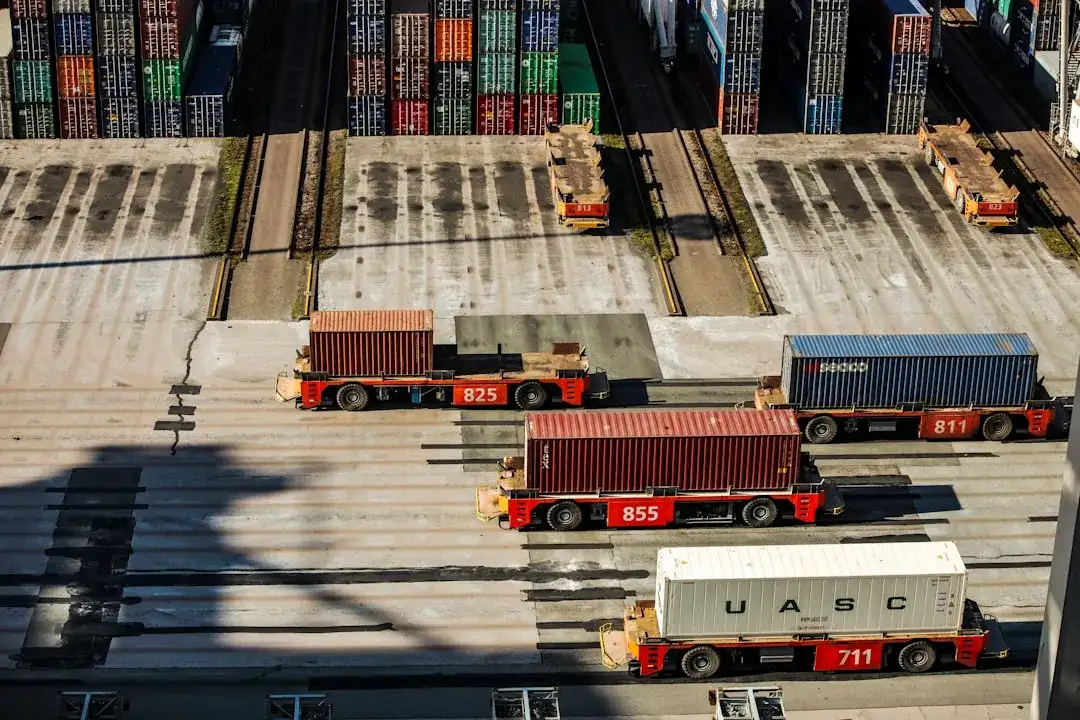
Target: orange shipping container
(75, 75)
(453, 41)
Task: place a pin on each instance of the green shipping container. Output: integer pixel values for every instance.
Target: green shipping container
(453, 116)
(578, 86)
(498, 31)
(165, 80)
(33, 81)
(496, 74)
(540, 73)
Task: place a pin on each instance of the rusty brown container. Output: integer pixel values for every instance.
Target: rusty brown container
(693, 450)
(372, 343)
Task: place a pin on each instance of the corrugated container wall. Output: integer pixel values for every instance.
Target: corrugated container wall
(885, 371)
(694, 451)
(751, 592)
(120, 117)
(7, 112)
(78, 118)
(369, 343)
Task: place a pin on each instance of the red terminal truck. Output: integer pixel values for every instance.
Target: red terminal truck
(356, 357)
(835, 608)
(947, 387)
(658, 468)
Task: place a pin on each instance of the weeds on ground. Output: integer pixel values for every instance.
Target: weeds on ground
(333, 196)
(230, 165)
(740, 208)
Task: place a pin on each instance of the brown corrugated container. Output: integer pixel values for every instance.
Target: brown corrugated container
(692, 450)
(371, 343)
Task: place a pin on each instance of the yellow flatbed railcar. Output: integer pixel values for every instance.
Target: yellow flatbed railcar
(578, 187)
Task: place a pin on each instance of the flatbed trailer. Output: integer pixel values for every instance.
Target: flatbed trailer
(576, 172)
(968, 175)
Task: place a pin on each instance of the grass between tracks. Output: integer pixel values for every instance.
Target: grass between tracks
(627, 216)
(230, 165)
(333, 196)
(744, 219)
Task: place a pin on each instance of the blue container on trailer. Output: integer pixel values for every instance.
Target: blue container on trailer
(117, 76)
(74, 34)
(832, 372)
(540, 31)
(824, 114)
(367, 35)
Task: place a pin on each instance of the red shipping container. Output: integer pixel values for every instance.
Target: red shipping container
(911, 34)
(495, 115)
(162, 36)
(453, 41)
(410, 34)
(78, 118)
(603, 452)
(75, 76)
(370, 343)
(738, 113)
(411, 78)
(30, 9)
(409, 117)
(536, 113)
(367, 75)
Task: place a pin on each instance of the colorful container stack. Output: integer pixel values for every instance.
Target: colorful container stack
(367, 51)
(73, 25)
(578, 87)
(7, 120)
(538, 104)
(208, 100)
(496, 66)
(897, 61)
(410, 67)
(117, 63)
(170, 35)
(31, 70)
(453, 68)
(730, 62)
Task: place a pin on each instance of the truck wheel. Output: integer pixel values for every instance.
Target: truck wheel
(700, 663)
(530, 396)
(998, 426)
(564, 516)
(352, 397)
(917, 657)
(821, 430)
(759, 513)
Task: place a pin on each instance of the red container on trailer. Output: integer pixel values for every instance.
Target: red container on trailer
(38, 9)
(628, 452)
(536, 113)
(494, 114)
(410, 78)
(369, 343)
(453, 40)
(78, 118)
(75, 76)
(367, 75)
(409, 117)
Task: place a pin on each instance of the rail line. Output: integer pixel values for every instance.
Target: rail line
(671, 292)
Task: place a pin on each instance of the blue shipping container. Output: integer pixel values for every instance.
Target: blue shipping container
(74, 35)
(117, 76)
(30, 39)
(120, 118)
(367, 35)
(367, 116)
(885, 371)
(540, 31)
(824, 115)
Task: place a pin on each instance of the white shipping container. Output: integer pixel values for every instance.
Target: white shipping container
(778, 591)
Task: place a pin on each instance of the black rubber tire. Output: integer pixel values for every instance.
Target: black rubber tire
(531, 396)
(759, 513)
(352, 397)
(996, 427)
(917, 657)
(821, 430)
(564, 516)
(700, 663)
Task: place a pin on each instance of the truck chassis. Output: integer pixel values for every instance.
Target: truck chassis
(640, 647)
(525, 508)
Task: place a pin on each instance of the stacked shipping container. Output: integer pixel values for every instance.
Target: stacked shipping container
(896, 60)
(730, 65)
(453, 112)
(208, 100)
(117, 68)
(539, 66)
(170, 34)
(366, 57)
(31, 69)
(410, 67)
(578, 87)
(7, 121)
(73, 24)
(496, 71)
